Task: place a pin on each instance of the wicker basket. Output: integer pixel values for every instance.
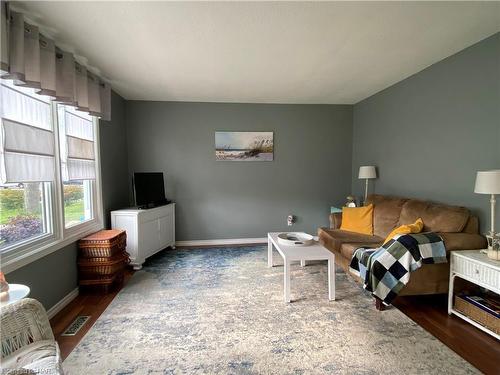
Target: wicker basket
(101, 282)
(106, 243)
(99, 268)
(102, 258)
(101, 252)
(478, 315)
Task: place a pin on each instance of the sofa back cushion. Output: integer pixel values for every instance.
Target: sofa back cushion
(436, 217)
(386, 213)
(472, 226)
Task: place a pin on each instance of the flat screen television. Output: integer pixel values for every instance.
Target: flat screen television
(149, 190)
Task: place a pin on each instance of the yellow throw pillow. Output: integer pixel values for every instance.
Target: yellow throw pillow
(358, 219)
(416, 227)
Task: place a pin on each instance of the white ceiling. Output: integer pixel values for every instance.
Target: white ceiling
(266, 52)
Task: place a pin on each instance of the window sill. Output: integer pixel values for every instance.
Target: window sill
(12, 260)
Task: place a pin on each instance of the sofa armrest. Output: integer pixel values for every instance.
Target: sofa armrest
(463, 241)
(335, 220)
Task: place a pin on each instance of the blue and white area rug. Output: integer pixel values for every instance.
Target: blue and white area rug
(221, 311)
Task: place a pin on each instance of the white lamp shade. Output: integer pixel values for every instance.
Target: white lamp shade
(367, 171)
(488, 182)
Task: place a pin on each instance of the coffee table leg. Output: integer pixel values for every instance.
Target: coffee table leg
(269, 253)
(331, 279)
(287, 280)
(302, 263)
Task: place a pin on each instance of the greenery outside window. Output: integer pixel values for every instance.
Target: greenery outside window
(77, 202)
(24, 213)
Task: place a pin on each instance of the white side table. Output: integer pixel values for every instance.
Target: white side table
(16, 292)
(477, 268)
(302, 254)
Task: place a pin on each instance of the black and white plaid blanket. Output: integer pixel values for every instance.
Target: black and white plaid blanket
(386, 270)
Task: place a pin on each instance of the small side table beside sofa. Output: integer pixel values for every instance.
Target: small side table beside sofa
(478, 269)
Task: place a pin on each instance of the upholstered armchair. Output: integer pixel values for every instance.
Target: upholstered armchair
(28, 345)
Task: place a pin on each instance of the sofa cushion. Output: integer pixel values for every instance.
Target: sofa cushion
(385, 213)
(336, 237)
(452, 241)
(347, 249)
(463, 241)
(436, 217)
(472, 225)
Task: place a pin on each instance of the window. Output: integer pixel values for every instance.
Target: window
(49, 180)
(24, 205)
(76, 137)
(77, 202)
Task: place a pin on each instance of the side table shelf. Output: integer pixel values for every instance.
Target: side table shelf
(477, 268)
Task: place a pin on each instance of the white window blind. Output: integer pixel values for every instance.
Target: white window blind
(77, 156)
(26, 138)
(25, 106)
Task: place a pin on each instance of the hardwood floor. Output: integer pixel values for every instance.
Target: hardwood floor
(430, 312)
(87, 303)
(474, 345)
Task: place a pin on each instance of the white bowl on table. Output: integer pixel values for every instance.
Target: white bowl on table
(295, 239)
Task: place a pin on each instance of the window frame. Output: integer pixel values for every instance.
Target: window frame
(30, 250)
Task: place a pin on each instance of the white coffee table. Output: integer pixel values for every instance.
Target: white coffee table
(302, 254)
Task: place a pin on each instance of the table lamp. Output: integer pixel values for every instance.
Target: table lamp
(488, 182)
(367, 172)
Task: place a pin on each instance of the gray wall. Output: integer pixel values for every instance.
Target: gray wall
(54, 276)
(430, 133)
(51, 277)
(223, 199)
(114, 170)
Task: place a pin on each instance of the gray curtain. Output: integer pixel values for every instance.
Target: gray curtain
(47, 67)
(30, 59)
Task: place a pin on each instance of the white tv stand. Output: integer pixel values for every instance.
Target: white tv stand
(148, 230)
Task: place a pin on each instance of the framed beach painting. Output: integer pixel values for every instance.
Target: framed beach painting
(244, 146)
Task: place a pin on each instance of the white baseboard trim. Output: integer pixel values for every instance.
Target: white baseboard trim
(63, 303)
(228, 241)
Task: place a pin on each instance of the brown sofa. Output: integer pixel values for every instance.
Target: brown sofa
(458, 228)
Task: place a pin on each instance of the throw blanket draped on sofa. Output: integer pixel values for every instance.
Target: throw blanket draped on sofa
(386, 270)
